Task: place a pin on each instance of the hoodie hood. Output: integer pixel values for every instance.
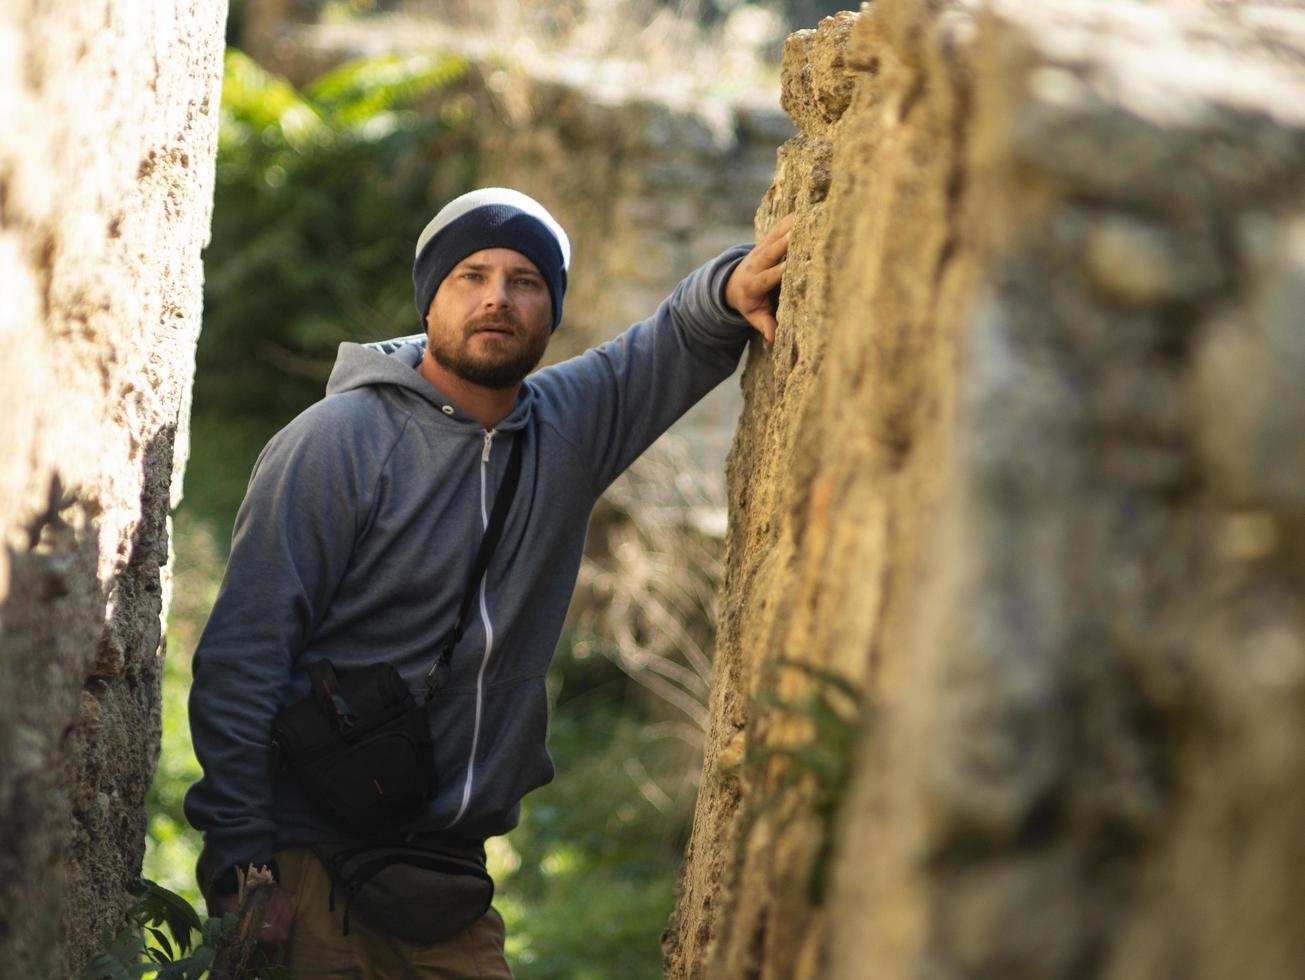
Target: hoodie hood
(394, 362)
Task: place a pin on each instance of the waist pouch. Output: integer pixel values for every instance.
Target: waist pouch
(421, 893)
(359, 747)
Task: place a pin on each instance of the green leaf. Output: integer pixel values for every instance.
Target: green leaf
(165, 946)
(358, 93)
(215, 928)
(254, 100)
(158, 905)
(105, 967)
(202, 959)
(180, 970)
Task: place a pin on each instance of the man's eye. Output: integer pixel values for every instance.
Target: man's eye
(532, 283)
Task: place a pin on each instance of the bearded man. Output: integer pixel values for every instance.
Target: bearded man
(356, 545)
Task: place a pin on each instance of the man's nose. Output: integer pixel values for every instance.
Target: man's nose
(496, 294)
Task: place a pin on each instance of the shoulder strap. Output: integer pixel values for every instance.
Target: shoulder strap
(439, 671)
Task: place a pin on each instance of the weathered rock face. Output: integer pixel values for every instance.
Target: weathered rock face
(106, 182)
(1026, 467)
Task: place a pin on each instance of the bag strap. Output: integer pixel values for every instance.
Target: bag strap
(367, 870)
(438, 674)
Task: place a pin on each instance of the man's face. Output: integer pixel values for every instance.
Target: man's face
(489, 321)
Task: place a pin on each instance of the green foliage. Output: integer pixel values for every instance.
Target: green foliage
(160, 942)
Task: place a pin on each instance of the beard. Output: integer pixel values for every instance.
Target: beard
(499, 362)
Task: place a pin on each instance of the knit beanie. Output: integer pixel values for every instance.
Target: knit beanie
(494, 217)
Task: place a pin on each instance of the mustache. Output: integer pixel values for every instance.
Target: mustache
(502, 321)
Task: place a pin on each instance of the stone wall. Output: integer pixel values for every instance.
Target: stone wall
(106, 179)
(1024, 470)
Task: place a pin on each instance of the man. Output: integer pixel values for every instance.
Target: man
(359, 529)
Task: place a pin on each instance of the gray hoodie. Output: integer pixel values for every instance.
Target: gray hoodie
(357, 536)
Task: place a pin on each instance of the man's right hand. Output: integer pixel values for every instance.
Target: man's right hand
(749, 287)
(278, 915)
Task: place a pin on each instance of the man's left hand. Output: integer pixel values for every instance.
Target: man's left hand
(750, 284)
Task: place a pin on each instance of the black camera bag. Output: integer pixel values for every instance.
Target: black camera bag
(359, 747)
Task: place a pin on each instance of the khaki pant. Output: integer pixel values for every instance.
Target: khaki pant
(317, 948)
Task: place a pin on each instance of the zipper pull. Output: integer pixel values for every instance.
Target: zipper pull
(489, 437)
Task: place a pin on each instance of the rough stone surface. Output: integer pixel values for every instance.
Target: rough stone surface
(106, 182)
(1025, 467)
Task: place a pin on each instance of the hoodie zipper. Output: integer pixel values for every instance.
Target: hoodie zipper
(489, 634)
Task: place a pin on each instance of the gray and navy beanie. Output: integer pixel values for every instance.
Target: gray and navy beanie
(494, 217)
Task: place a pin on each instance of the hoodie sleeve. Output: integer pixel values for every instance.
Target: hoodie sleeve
(293, 537)
(616, 399)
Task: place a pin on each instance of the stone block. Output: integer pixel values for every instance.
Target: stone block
(104, 209)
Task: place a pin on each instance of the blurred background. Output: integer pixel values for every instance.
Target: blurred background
(649, 129)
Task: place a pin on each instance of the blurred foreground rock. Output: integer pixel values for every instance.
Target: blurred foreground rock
(106, 185)
(1025, 466)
